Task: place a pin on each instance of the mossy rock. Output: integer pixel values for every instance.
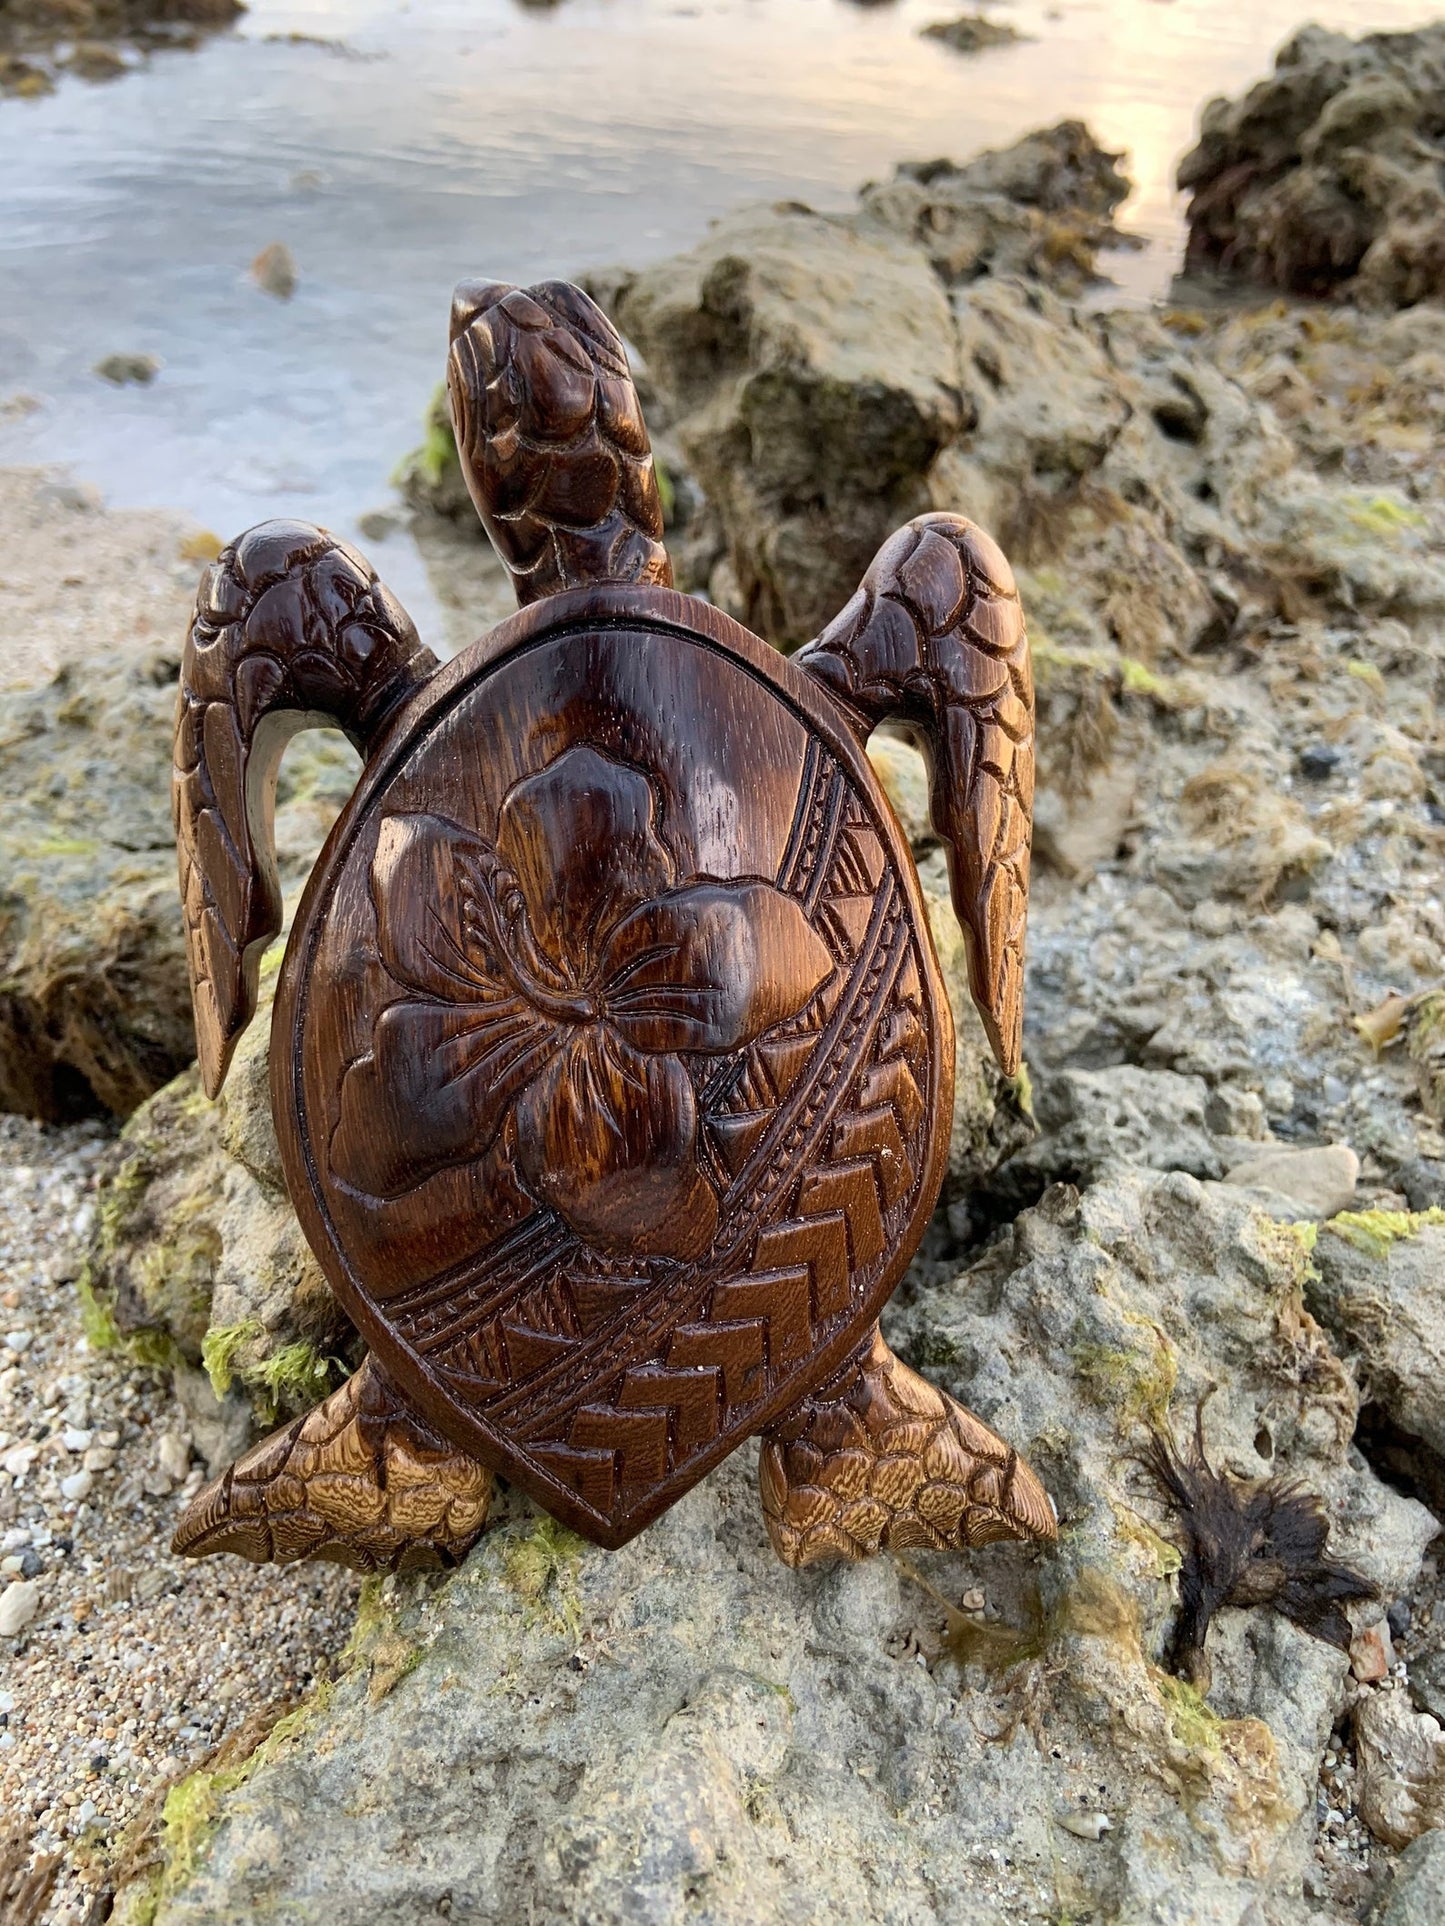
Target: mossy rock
(196, 1253)
(95, 1001)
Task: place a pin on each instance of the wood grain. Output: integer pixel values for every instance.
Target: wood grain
(360, 1481)
(611, 1063)
(551, 438)
(879, 1458)
(643, 1272)
(935, 635)
(292, 627)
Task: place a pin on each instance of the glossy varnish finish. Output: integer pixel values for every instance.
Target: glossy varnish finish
(611, 1064)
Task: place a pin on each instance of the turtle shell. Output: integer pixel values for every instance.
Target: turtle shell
(612, 1066)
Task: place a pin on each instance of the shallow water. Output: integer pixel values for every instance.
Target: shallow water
(449, 137)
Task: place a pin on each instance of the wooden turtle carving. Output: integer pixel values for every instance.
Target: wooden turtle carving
(611, 1063)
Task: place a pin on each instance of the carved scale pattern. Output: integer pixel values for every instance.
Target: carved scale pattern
(361, 1481)
(879, 1457)
(936, 633)
(552, 440)
(291, 626)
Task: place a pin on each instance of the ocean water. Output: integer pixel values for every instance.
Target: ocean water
(397, 145)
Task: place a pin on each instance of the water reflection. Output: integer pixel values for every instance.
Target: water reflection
(450, 136)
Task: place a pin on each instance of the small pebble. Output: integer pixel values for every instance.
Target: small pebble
(18, 1605)
(76, 1486)
(173, 1455)
(1318, 761)
(1372, 1654)
(274, 271)
(1086, 1825)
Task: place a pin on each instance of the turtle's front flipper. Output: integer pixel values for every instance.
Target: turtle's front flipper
(879, 1458)
(551, 438)
(935, 635)
(361, 1481)
(292, 629)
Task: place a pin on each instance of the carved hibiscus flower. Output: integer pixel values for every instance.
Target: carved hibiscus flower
(552, 984)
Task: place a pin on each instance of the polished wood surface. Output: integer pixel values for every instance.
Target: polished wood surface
(613, 1078)
(361, 1481)
(935, 636)
(291, 626)
(879, 1459)
(611, 1062)
(551, 438)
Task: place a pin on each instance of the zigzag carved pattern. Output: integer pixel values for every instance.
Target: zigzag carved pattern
(820, 1133)
(794, 1140)
(806, 1272)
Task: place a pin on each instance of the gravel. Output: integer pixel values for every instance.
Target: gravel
(120, 1667)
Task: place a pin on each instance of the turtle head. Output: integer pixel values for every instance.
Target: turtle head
(471, 298)
(551, 438)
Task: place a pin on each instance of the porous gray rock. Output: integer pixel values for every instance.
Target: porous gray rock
(1042, 208)
(811, 363)
(684, 1730)
(94, 995)
(1380, 1289)
(1090, 1119)
(1325, 178)
(1417, 1894)
(195, 1255)
(95, 1001)
(1401, 1767)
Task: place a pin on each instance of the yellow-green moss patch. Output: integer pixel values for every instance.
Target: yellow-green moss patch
(220, 1347)
(1374, 1231)
(541, 1566)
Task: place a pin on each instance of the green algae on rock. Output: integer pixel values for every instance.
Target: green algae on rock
(611, 1736)
(195, 1245)
(94, 993)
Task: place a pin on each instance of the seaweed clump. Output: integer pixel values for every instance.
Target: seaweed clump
(1258, 1544)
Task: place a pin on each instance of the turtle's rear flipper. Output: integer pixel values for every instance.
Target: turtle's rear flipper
(879, 1458)
(361, 1481)
(935, 636)
(292, 629)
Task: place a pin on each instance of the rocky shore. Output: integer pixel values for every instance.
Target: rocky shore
(1194, 1266)
(96, 39)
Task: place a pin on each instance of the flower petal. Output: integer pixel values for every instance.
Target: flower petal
(581, 837)
(435, 1089)
(430, 883)
(711, 967)
(608, 1138)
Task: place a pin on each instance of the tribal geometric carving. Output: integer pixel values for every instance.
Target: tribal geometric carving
(611, 1063)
